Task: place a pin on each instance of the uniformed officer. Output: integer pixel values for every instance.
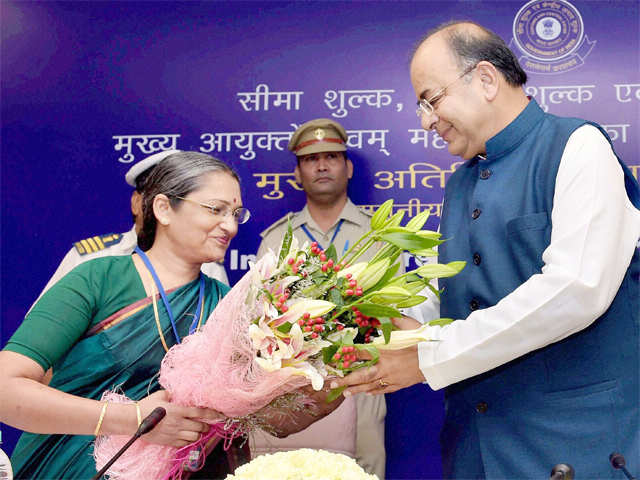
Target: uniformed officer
(329, 217)
(123, 243)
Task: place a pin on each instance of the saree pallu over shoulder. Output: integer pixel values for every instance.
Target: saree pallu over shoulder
(120, 316)
(123, 352)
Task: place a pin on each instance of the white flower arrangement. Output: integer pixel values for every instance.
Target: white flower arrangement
(302, 464)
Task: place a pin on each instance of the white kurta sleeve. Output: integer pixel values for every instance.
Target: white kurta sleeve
(595, 229)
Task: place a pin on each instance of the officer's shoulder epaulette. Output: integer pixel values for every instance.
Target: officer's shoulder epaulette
(366, 210)
(97, 243)
(277, 223)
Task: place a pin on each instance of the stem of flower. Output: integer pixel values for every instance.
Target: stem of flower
(354, 246)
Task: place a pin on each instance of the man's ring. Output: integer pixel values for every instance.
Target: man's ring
(382, 383)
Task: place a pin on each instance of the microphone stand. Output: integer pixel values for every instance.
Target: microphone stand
(146, 426)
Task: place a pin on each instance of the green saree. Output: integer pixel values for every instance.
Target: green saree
(120, 348)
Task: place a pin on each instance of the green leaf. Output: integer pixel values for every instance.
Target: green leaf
(328, 353)
(285, 327)
(335, 296)
(335, 393)
(377, 311)
(440, 322)
(318, 291)
(409, 241)
(412, 301)
(379, 218)
(331, 253)
(387, 327)
(286, 243)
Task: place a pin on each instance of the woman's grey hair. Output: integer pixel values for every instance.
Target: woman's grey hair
(175, 176)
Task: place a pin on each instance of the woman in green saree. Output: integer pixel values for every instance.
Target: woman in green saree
(101, 327)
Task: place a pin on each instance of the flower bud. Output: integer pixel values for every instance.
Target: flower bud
(390, 294)
(380, 217)
(372, 274)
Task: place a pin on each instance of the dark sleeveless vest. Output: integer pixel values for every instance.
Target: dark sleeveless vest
(497, 217)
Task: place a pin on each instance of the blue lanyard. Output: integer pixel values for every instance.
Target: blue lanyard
(165, 300)
(335, 233)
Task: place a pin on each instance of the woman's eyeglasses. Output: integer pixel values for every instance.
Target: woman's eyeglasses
(222, 210)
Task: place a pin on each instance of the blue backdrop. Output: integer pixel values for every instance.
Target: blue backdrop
(90, 88)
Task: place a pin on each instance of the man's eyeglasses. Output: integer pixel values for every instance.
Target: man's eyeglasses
(427, 106)
(221, 210)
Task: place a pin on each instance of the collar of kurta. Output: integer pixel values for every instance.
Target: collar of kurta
(514, 133)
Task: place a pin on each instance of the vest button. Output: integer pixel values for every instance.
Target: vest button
(476, 259)
(482, 407)
(476, 213)
(474, 304)
(484, 174)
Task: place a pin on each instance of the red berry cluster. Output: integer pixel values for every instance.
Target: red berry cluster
(280, 302)
(295, 266)
(347, 355)
(365, 321)
(315, 325)
(326, 264)
(354, 289)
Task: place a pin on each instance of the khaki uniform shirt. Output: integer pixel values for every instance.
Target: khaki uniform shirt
(111, 245)
(355, 223)
(371, 410)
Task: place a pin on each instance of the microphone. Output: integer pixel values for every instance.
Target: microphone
(618, 462)
(146, 426)
(150, 422)
(562, 471)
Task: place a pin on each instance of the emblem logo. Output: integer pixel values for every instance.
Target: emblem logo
(551, 37)
(319, 133)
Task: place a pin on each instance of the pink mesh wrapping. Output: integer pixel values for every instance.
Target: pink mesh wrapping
(213, 368)
(141, 458)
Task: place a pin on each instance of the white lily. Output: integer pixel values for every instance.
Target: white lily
(269, 364)
(259, 337)
(315, 308)
(309, 371)
(403, 339)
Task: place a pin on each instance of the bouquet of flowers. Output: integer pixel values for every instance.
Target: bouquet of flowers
(294, 319)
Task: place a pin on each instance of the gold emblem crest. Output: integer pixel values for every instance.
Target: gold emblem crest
(319, 133)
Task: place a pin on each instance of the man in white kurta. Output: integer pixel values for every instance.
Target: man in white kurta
(541, 364)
